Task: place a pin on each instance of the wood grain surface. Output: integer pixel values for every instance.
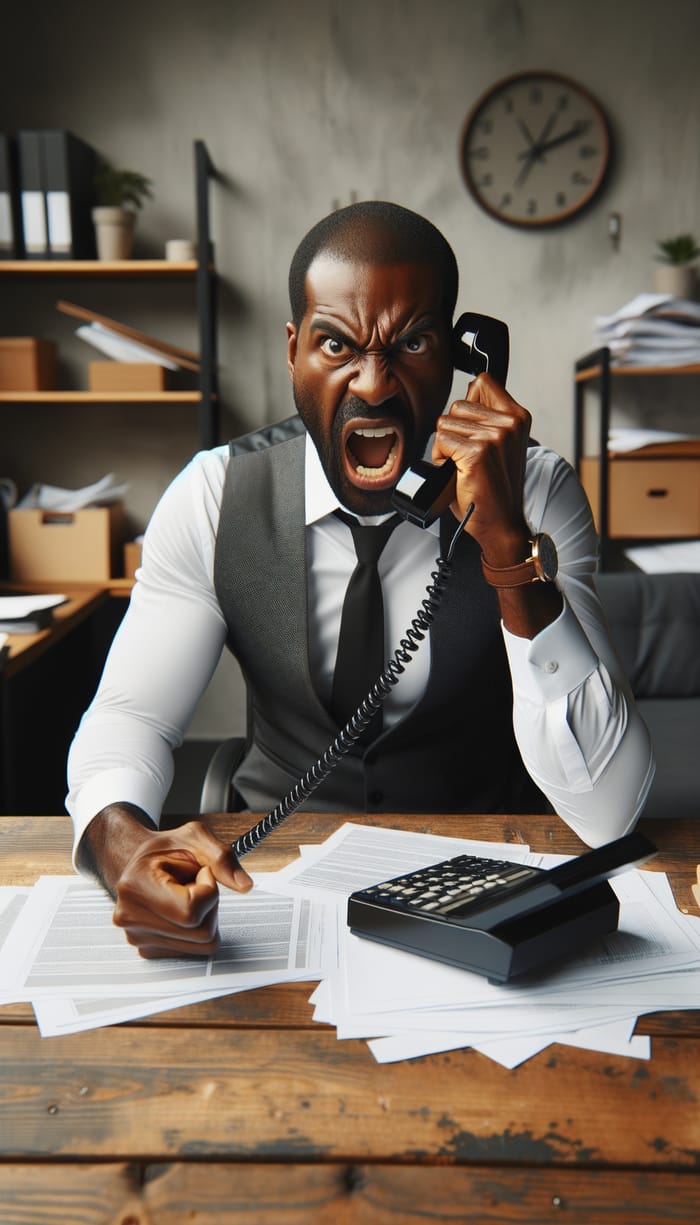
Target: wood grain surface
(243, 1109)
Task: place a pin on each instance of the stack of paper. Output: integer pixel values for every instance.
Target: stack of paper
(668, 557)
(652, 330)
(408, 1006)
(127, 344)
(54, 498)
(26, 614)
(623, 440)
(59, 950)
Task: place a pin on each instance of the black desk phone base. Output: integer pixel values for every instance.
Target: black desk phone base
(496, 917)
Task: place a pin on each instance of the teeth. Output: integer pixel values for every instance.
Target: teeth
(378, 431)
(386, 467)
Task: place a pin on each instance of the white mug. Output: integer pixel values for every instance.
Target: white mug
(180, 249)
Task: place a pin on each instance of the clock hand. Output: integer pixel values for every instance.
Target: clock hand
(541, 139)
(536, 150)
(558, 140)
(527, 134)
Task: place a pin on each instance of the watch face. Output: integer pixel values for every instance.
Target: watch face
(535, 149)
(546, 559)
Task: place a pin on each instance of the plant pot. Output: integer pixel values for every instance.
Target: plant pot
(676, 279)
(114, 231)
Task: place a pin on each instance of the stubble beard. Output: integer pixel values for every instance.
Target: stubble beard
(330, 448)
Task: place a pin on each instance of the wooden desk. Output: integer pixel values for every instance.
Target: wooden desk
(244, 1109)
(25, 649)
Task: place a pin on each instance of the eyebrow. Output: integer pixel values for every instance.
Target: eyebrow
(328, 329)
(427, 324)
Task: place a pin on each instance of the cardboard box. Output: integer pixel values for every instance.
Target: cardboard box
(58, 546)
(132, 558)
(127, 376)
(647, 497)
(27, 364)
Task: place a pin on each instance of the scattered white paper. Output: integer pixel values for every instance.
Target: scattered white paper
(356, 856)
(15, 607)
(122, 348)
(68, 946)
(652, 329)
(60, 950)
(12, 903)
(56, 1015)
(54, 498)
(621, 440)
(676, 557)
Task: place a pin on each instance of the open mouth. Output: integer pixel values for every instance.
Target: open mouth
(372, 453)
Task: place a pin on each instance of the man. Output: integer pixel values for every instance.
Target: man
(249, 550)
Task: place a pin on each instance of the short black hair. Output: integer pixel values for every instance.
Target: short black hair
(377, 231)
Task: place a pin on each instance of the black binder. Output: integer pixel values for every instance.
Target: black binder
(11, 245)
(32, 194)
(69, 177)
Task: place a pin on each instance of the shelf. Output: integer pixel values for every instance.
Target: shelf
(201, 273)
(100, 397)
(594, 372)
(130, 269)
(620, 488)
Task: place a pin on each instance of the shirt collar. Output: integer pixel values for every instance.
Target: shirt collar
(319, 498)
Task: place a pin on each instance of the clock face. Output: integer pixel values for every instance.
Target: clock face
(535, 149)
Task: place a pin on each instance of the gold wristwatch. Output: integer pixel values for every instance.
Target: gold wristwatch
(540, 567)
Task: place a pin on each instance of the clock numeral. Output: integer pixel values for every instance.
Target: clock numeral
(482, 153)
(560, 199)
(535, 95)
(505, 200)
(486, 181)
(531, 208)
(587, 151)
(579, 178)
(508, 105)
(562, 102)
(582, 126)
(486, 126)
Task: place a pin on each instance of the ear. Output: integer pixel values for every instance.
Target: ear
(291, 348)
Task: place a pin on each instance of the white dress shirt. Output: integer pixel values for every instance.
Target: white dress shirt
(579, 734)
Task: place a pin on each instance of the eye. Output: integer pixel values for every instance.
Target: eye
(332, 346)
(415, 344)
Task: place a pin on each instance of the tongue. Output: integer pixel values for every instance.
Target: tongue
(370, 452)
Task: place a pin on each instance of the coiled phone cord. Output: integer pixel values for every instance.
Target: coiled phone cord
(350, 734)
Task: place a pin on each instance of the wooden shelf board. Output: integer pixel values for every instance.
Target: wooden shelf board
(594, 372)
(100, 397)
(129, 268)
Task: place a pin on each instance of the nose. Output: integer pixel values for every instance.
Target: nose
(373, 379)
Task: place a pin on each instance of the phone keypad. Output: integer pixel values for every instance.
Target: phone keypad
(454, 886)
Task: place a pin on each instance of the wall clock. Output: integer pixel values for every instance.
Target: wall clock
(535, 149)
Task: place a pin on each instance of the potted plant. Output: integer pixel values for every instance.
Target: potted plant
(674, 273)
(119, 193)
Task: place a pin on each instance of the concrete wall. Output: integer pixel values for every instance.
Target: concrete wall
(308, 105)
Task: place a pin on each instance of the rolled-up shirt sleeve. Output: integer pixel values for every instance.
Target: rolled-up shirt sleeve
(161, 659)
(580, 734)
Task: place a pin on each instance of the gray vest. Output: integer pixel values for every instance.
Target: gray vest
(453, 752)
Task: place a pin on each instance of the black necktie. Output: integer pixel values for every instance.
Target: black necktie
(360, 658)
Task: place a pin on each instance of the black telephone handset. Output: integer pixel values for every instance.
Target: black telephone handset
(426, 490)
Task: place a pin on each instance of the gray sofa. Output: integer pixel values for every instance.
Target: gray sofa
(654, 622)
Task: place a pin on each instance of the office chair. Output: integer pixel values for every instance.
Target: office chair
(218, 792)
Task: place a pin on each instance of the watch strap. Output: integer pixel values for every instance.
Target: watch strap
(510, 576)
